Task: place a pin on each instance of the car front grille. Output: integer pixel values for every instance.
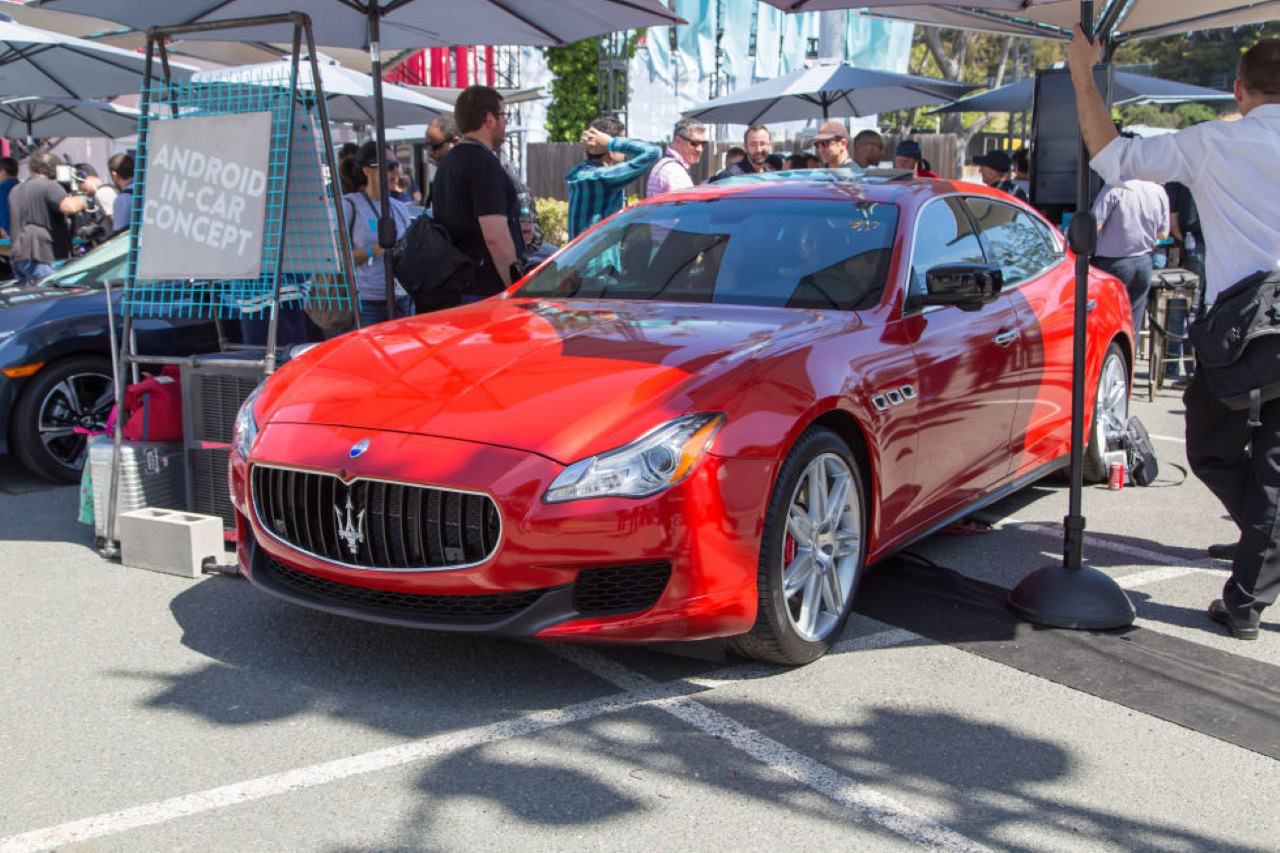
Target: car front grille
(620, 589)
(457, 609)
(373, 524)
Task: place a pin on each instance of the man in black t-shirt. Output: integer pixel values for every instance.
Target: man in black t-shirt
(475, 199)
(38, 211)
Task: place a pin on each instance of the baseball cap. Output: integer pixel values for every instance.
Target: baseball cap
(997, 159)
(831, 130)
(909, 148)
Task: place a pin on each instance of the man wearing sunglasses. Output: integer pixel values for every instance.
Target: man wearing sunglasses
(688, 141)
(832, 144)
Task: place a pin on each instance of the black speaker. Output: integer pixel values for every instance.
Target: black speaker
(212, 392)
(1055, 138)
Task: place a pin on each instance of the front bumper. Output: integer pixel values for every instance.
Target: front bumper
(553, 563)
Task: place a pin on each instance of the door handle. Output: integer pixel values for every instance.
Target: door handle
(1005, 338)
(1090, 305)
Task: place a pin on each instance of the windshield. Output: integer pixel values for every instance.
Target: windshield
(105, 262)
(780, 252)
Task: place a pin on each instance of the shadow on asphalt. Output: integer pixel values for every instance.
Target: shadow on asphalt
(273, 661)
(991, 782)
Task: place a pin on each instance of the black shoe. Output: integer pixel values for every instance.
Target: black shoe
(1241, 627)
(1223, 552)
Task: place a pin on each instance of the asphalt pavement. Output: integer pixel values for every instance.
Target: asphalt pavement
(142, 712)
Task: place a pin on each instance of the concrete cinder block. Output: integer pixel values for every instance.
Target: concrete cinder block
(169, 540)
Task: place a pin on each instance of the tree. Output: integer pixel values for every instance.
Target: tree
(960, 56)
(574, 88)
(1200, 57)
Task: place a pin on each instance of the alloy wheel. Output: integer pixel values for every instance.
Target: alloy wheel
(1111, 410)
(822, 548)
(79, 400)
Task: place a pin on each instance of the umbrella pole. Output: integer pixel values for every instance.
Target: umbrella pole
(1073, 595)
(386, 225)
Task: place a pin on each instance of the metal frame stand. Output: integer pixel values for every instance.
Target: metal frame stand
(129, 357)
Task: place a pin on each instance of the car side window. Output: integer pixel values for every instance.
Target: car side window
(1017, 242)
(944, 235)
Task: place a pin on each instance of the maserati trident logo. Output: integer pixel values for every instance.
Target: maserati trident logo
(358, 448)
(350, 526)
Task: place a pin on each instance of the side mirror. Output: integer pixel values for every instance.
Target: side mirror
(966, 286)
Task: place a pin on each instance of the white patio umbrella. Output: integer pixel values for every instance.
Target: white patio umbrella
(1056, 18)
(48, 64)
(197, 53)
(378, 25)
(65, 117)
(826, 89)
(348, 94)
(449, 94)
(402, 23)
(1129, 89)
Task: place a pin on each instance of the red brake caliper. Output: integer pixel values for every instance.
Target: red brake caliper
(789, 548)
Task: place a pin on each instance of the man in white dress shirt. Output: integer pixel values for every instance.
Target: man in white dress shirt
(1233, 171)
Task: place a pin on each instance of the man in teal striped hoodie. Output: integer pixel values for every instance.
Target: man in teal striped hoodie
(597, 184)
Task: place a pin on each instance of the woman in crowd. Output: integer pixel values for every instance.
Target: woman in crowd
(362, 208)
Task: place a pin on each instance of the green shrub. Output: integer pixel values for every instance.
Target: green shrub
(553, 216)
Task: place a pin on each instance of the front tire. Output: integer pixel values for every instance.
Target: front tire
(811, 554)
(1110, 413)
(74, 392)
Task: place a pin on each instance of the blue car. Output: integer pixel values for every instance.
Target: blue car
(55, 359)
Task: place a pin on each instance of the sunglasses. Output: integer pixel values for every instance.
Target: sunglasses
(436, 146)
(823, 143)
(697, 143)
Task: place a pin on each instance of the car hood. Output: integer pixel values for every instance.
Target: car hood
(564, 379)
(22, 304)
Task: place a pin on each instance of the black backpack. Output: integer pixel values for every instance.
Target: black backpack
(431, 269)
(1238, 344)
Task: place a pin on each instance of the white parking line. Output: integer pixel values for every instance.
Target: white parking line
(871, 804)
(113, 823)
(1166, 563)
(1173, 438)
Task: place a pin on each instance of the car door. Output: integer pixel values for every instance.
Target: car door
(964, 362)
(1040, 284)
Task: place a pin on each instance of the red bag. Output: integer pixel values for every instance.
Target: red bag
(153, 408)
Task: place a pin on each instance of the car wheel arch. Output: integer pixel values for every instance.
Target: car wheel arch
(847, 426)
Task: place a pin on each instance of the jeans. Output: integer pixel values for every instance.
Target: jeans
(375, 310)
(29, 269)
(1135, 273)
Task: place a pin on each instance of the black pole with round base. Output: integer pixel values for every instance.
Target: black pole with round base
(1082, 598)
(1072, 595)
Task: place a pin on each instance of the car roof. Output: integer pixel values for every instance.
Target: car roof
(888, 186)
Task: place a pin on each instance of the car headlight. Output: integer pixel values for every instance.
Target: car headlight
(658, 460)
(246, 426)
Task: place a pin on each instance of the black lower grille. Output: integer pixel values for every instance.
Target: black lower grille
(374, 524)
(459, 609)
(622, 589)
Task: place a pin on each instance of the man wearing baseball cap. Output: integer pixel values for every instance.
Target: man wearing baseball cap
(909, 156)
(832, 143)
(995, 166)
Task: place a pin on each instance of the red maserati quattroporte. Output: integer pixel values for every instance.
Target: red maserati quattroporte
(704, 418)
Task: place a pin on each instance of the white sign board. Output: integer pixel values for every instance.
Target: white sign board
(205, 204)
